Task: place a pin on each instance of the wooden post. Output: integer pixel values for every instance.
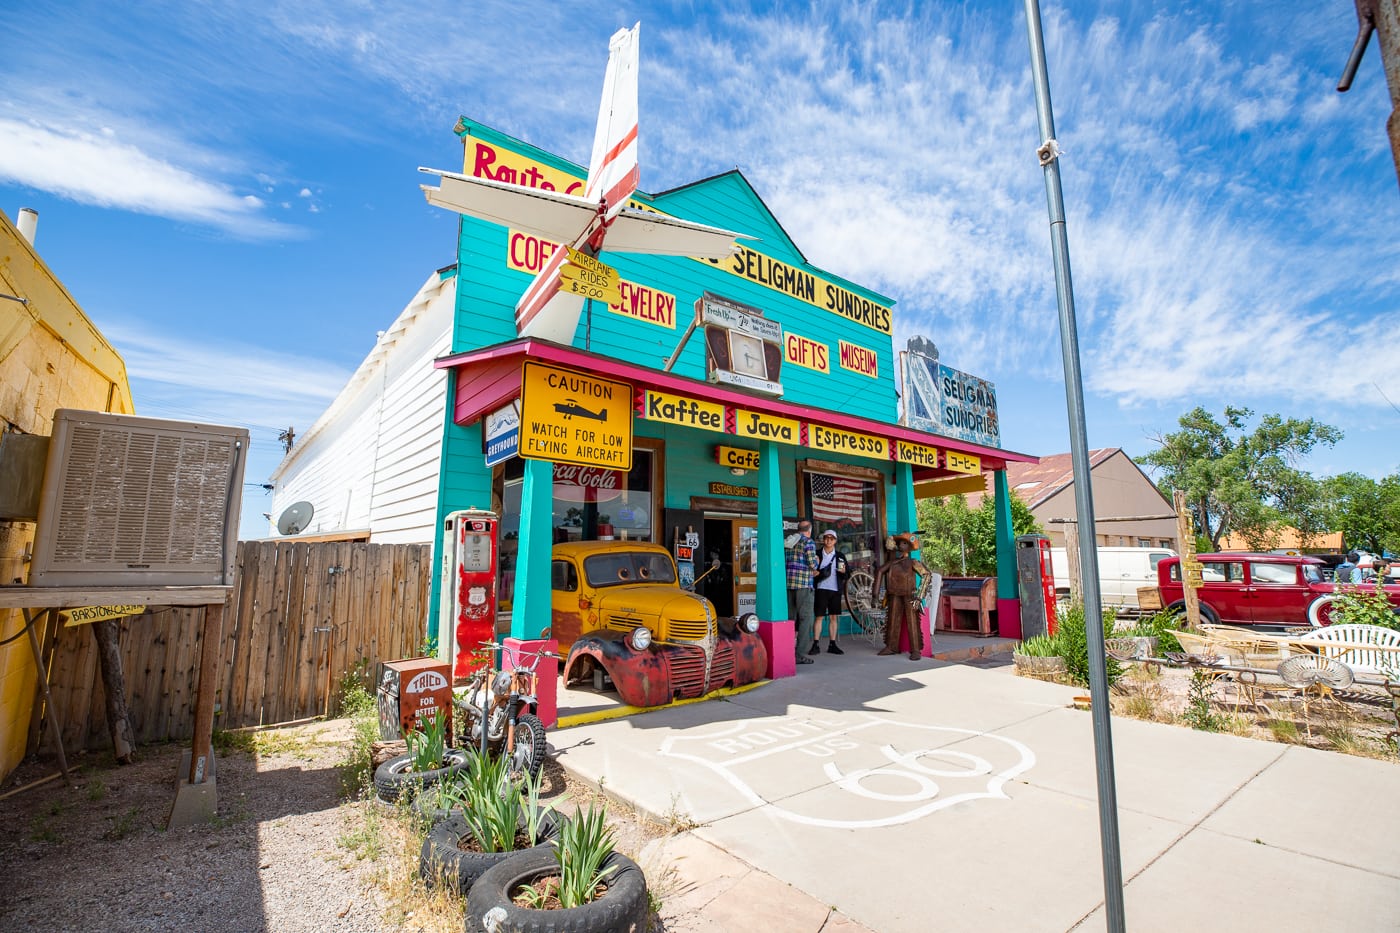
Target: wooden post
(1187, 537)
(109, 659)
(1076, 582)
(55, 728)
(201, 746)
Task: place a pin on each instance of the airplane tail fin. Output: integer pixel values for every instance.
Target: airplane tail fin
(613, 169)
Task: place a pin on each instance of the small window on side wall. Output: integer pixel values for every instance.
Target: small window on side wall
(564, 576)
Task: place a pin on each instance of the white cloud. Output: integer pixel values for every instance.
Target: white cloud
(104, 170)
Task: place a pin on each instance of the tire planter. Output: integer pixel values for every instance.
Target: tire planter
(393, 778)
(443, 863)
(622, 908)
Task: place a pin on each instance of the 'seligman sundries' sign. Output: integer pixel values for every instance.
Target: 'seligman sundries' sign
(487, 160)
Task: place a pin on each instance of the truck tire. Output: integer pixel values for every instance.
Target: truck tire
(394, 777)
(442, 861)
(623, 906)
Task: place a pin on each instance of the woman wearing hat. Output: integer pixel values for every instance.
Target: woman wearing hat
(829, 581)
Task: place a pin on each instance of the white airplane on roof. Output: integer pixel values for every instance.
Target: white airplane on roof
(586, 222)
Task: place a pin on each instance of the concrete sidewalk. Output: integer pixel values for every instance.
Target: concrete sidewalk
(885, 794)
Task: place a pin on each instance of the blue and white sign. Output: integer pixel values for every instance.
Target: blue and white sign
(502, 433)
(942, 400)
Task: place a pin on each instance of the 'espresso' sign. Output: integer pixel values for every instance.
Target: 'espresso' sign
(820, 437)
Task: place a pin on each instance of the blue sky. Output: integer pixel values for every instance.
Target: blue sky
(231, 191)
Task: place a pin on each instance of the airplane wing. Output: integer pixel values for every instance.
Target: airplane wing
(550, 215)
(635, 231)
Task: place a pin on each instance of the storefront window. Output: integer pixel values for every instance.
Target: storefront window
(590, 503)
(848, 505)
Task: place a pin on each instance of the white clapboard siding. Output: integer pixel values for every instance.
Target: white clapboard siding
(370, 462)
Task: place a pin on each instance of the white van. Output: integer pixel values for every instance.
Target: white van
(1121, 571)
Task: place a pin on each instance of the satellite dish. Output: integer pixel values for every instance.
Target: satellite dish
(295, 518)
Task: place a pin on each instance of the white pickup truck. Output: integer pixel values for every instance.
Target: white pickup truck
(1121, 571)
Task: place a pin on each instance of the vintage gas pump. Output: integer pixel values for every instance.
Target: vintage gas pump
(1037, 584)
(470, 561)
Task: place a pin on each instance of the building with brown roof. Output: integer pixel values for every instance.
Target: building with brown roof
(1129, 511)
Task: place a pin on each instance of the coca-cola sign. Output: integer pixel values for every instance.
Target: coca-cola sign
(586, 483)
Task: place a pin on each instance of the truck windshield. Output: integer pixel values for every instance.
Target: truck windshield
(628, 567)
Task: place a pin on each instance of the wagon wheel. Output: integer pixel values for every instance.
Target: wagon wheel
(860, 603)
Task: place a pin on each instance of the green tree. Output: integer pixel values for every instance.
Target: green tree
(1236, 479)
(1365, 511)
(955, 535)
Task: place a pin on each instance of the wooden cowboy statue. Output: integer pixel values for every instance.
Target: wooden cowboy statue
(906, 581)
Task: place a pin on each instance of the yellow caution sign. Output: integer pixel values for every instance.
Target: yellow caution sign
(84, 615)
(571, 417)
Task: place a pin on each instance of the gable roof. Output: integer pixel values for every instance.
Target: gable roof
(1036, 483)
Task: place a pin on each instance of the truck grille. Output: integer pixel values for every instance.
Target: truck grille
(688, 672)
(688, 630)
(722, 667)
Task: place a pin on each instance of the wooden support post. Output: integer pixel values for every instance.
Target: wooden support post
(1076, 581)
(1187, 536)
(109, 659)
(201, 747)
(55, 728)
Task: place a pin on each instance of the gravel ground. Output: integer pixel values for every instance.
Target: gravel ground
(287, 853)
(99, 857)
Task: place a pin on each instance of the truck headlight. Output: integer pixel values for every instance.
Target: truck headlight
(749, 622)
(640, 638)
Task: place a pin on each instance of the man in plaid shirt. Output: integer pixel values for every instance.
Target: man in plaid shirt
(801, 564)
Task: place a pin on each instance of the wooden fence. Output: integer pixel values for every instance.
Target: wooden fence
(303, 616)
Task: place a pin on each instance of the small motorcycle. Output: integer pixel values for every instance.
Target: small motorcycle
(505, 701)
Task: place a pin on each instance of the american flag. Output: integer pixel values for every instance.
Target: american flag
(835, 498)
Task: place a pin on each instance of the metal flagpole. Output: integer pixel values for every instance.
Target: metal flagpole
(1049, 153)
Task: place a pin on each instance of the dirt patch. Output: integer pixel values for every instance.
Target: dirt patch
(1357, 721)
(288, 852)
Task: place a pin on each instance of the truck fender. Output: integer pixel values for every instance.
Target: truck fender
(642, 678)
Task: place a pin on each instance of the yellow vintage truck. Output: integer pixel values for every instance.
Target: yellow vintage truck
(617, 608)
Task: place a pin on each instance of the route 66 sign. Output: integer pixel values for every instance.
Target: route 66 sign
(900, 771)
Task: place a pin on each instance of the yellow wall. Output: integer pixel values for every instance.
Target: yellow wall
(51, 356)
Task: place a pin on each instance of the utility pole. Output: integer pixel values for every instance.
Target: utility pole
(1049, 155)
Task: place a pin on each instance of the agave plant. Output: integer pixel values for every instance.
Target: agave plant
(428, 745)
(584, 843)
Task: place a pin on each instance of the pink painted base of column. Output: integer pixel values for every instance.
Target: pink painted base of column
(547, 674)
(925, 626)
(780, 638)
(1009, 618)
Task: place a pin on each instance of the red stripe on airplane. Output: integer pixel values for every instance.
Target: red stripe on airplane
(623, 189)
(616, 151)
(541, 290)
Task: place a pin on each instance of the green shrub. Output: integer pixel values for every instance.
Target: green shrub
(1072, 636)
(1040, 646)
(1357, 606)
(1162, 625)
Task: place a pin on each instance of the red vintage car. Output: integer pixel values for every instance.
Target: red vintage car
(1258, 589)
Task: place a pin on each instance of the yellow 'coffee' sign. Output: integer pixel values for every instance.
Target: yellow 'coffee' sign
(963, 463)
(837, 441)
(571, 417)
(767, 427)
(84, 615)
(686, 412)
(917, 454)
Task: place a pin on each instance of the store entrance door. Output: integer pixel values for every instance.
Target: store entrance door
(733, 588)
